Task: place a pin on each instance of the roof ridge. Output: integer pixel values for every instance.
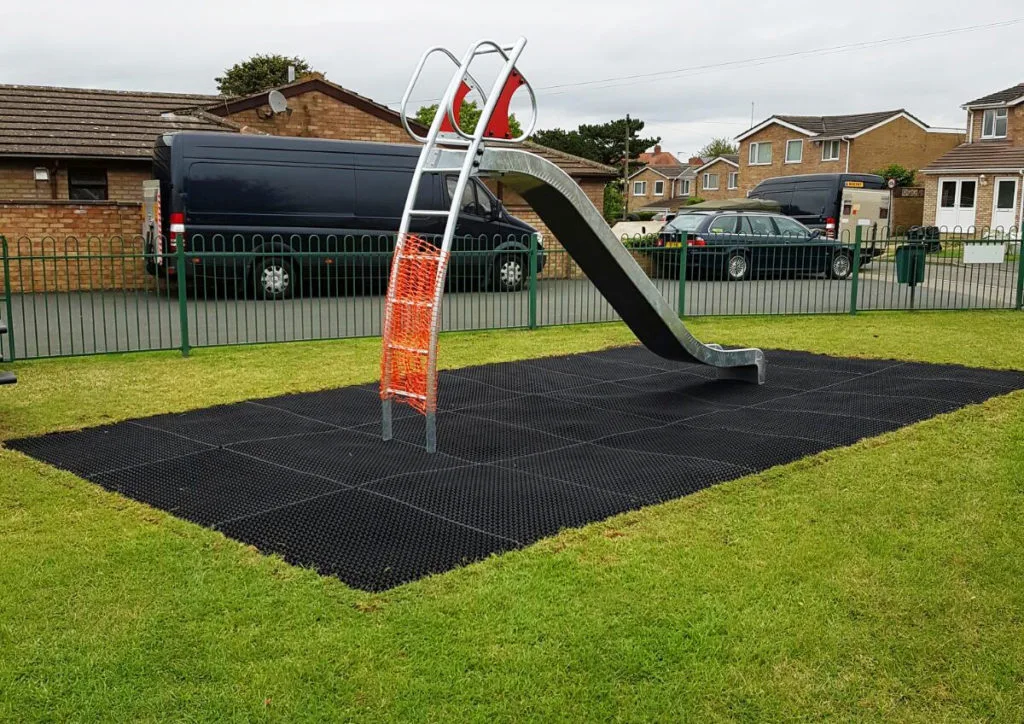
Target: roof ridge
(112, 91)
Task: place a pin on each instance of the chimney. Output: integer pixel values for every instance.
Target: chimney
(291, 73)
(657, 149)
(695, 161)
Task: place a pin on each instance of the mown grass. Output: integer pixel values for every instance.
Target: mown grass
(880, 581)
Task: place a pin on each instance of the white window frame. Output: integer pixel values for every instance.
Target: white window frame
(755, 152)
(656, 191)
(997, 114)
(684, 187)
(734, 180)
(826, 145)
(704, 181)
(642, 185)
(799, 142)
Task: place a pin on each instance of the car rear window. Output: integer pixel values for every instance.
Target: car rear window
(685, 222)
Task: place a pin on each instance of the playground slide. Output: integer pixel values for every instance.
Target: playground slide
(581, 229)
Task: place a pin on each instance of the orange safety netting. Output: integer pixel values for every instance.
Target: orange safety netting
(409, 313)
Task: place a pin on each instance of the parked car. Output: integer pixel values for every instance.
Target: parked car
(277, 210)
(743, 245)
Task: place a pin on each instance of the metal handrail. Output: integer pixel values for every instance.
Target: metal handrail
(407, 96)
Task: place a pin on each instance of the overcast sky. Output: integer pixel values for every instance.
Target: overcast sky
(372, 47)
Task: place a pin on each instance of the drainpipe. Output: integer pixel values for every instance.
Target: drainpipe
(847, 140)
(970, 126)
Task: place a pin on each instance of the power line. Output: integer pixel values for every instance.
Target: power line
(616, 81)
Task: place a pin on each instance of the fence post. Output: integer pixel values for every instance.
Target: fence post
(855, 283)
(1020, 269)
(682, 278)
(7, 299)
(179, 255)
(533, 281)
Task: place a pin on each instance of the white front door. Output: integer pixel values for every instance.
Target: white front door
(958, 199)
(1004, 207)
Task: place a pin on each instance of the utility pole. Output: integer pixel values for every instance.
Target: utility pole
(625, 175)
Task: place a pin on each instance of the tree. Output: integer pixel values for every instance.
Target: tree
(904, 176)
(613, 201)
(602, 142)
(259, 73)
(469, 116)
(718, 147)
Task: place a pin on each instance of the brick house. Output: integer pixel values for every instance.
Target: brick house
(978, 184)
(858, 143)
(72, 161)
(719, 179)
(663, 187)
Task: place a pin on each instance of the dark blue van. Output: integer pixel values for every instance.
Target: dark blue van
(272, 212)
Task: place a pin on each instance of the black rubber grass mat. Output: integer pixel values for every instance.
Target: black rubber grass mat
(527, 448)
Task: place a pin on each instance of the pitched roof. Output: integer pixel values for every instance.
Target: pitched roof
(307, 84)
(43, 121)
(1003, 97)
(840, 125)
(733, 159)
(657, 157)
(980, 156)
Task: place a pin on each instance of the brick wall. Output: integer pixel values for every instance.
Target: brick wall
(17, 182)
(1014, 125)
(648, 197)
(751, 176)
(317, 115)
(80, 231)
(900, 141)
(723, 191)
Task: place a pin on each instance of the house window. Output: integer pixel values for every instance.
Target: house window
(639, 188)
(684, 187)
(711, 182)
(659, 188)
(794, 151)
(87, 184)
(993, 125)
(734, 179)
(830, 150)
(760, 154)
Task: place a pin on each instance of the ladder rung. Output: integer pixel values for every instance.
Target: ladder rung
(410, 350)
(413, 303)
(428, 212)
(418, 257)
(403, 393)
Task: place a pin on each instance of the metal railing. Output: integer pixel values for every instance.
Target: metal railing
(93, 296)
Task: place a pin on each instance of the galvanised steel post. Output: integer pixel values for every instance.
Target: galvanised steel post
(533, 281)
(1020, 269)
(855, 283)
(10, 309)
(182, 296)
(682, 279)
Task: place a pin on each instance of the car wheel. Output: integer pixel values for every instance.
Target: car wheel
(273, 279)
(737, 267)
(510, 273)
(840, 266)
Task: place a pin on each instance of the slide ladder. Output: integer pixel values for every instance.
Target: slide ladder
(412, 310)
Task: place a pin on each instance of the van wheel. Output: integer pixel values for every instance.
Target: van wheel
(510, 273)
(841, 265)
(273, 279)
(737, 267)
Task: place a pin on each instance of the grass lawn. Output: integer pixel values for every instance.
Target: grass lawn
(883, 581)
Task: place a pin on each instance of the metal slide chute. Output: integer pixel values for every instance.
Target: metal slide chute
(579, 226)
(412, 308)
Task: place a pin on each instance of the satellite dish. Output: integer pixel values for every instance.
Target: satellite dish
(277, 102)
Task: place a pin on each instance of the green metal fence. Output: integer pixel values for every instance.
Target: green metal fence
(92, 296)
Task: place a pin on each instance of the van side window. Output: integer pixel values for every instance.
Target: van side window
(483, 201)
(811, 200)
(266, 188)
(471, 198)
